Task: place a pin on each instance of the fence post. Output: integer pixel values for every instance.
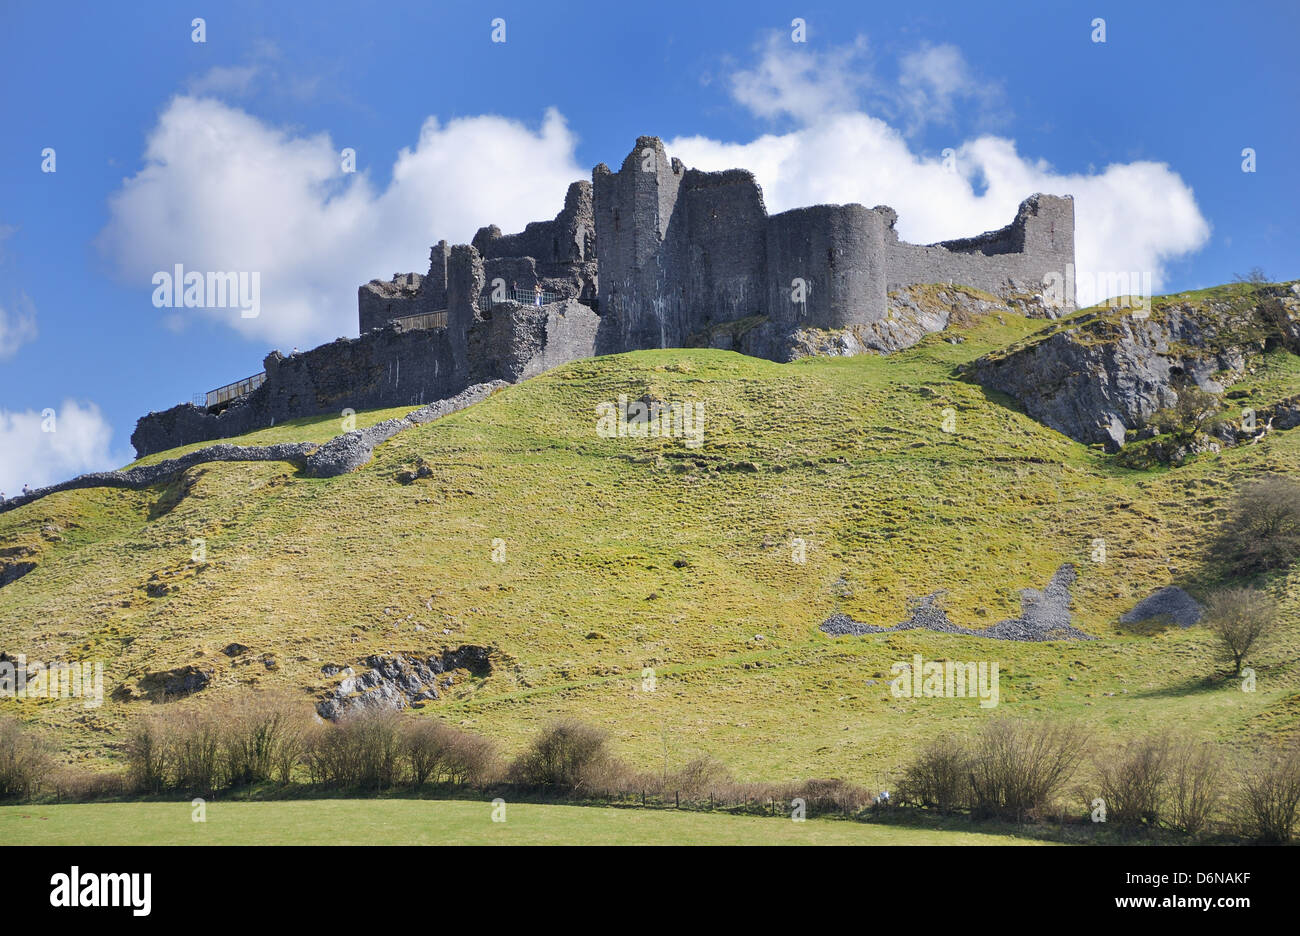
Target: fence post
(677, 797)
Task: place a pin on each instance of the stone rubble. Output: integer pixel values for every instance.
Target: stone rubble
(1044, 615)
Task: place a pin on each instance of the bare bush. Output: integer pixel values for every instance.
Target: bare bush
(24, 760)
(825, 797)
(147, 756)
(264, 738)
(1269, 797)
(1241, 620)
(1017, 767)
(325, 756)
(472, 759)
(698, 776)
(1195, 785)
(193, 742)
(567, 755)
(1262, 531)
(1133, 780)
(424, 749)
(434, 751)
(938, 776)
(78, 785)
(373, 741)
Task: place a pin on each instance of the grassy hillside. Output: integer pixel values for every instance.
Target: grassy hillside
(445, 822)
(623, 554)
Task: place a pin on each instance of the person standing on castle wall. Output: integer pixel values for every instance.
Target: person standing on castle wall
(537, 295)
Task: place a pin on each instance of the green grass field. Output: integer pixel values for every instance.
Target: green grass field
(623, 555)
(441, 822)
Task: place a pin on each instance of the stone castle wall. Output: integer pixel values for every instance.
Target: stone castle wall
(650, 256)
(683, 250)
(1012, 260)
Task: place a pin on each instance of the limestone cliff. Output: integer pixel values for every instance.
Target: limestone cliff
(1105, 371)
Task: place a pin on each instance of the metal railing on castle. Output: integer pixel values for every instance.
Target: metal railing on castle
(233, 391)
(492, 297)
(437, 319)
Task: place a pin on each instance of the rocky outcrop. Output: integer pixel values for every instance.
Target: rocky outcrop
(1103, 372)
(393, 683)
(1044, 615)
(175, 683)
(13, 571)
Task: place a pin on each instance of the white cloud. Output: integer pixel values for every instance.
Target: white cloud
(223, 191)
(793, 80)
(1130, 217)
(17, 327)
(933, 80)
(30, 453)
(262, 72)
(234, 80)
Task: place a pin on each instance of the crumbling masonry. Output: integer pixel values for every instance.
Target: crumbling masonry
(654, 255)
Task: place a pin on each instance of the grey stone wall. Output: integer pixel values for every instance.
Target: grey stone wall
(382, 368)
(560, 254)
(1012, 260)
(681, 251)
(837, 252)
(386, 367)
(717, 233)
(522, 341)
(381, 301)
(641, 298)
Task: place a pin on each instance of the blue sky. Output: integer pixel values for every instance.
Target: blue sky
(224, 154)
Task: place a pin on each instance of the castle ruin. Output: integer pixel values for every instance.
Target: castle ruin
(654, 255)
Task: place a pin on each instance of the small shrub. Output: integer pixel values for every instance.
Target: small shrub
(1270, 797)
(1194, 411)
(939, 776)
(825, 797)
(24, 760)
(567, 755)
(1017, 767)
(77, 785)
(1262, 531)
(1133, 780)
(699, 776)
(1195, 785)
(147, 756)
(1241, 620)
